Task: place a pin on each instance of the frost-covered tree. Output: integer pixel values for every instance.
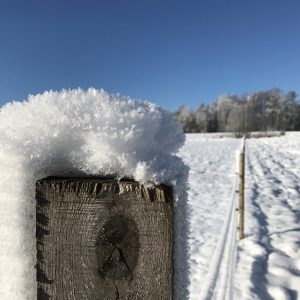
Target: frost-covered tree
(258, 111)
(202, 119)
(224, 106)
(237, 118)
(288, 113)
(254, 111)
(186, 117)
(273, 109)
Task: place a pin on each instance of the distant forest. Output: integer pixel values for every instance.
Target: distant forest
(271, 110)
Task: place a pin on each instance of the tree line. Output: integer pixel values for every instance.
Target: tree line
(271, 110)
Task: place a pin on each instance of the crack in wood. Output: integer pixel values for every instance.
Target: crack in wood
(117, 248)
(116, 287)
(122, 257)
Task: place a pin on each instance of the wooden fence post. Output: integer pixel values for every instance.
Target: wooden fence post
(241, 193)
(100, 238)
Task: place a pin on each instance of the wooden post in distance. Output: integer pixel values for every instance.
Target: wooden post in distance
(241, 193)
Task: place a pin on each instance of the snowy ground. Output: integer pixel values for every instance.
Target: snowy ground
(212, 179)
(266, 264)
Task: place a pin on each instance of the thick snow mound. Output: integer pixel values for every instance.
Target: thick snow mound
(76, 132)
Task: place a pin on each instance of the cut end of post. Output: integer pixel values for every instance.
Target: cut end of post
(100, 238)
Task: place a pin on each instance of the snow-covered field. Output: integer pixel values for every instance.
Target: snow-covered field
(266, 264)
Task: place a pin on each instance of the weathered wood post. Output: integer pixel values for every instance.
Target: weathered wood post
(241, 193)
(100, 238)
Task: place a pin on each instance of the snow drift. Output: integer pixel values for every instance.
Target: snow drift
(77, 132)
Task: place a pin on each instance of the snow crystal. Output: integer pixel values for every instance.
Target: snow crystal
(76, 132)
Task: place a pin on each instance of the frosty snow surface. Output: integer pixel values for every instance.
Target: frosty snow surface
(266, 264)
(77, 132)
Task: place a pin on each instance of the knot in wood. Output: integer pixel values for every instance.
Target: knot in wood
(117, 248)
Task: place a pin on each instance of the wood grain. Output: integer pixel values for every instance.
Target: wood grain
(99, 238)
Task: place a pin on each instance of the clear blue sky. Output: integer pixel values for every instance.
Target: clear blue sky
(169, 52)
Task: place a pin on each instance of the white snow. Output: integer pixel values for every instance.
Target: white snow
(76, 132)
(212, 182)
(266, 264)
(268, 259)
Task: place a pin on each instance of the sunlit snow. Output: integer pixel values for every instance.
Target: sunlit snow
(79, 133)
(266, 264)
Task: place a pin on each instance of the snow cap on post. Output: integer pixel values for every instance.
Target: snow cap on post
(75, 133)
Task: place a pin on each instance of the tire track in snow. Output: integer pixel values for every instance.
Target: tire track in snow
(212, 177)
(255, 173)
(219, 282)
(271, 179)
(213, 218)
